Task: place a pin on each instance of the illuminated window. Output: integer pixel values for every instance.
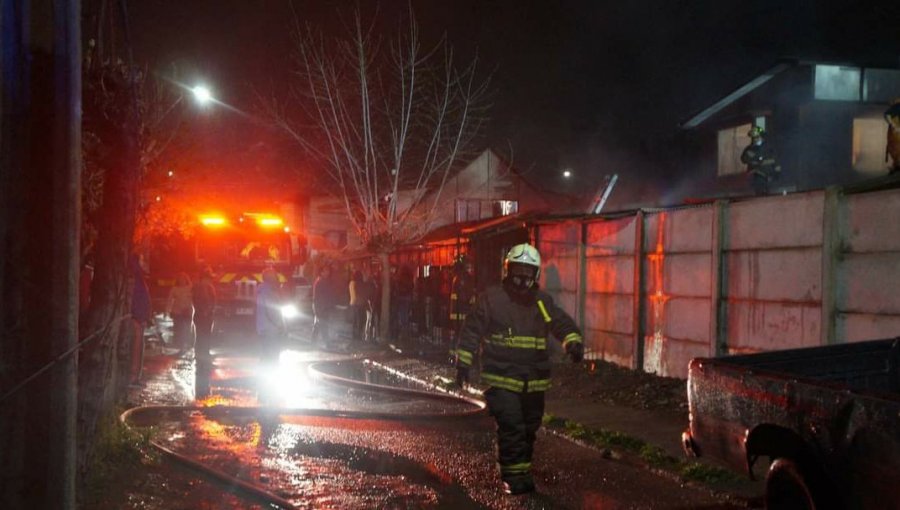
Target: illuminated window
(732, 142)
(880, 85)
(505, 207)
(479, 209)
(837, 83)
(869, 139)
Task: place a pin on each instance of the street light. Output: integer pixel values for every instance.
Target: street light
(202, 95)
(567, 173)
(205, 98)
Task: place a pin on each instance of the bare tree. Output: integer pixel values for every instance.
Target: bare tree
(128, 122)
(387, 119)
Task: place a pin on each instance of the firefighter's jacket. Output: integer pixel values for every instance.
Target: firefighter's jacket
(760, 160)
(514, 334)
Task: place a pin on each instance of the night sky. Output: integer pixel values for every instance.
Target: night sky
(577, 83)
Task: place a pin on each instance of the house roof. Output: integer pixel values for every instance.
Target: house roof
(735, 95)
(761, 79)
(463, 231)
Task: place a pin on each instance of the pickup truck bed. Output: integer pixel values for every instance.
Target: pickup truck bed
(828, 418)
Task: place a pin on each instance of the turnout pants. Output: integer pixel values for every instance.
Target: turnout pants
(518, 417)
(204, 327)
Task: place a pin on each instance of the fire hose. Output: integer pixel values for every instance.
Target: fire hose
(146, 414)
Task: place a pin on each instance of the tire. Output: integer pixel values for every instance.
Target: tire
(788, 487)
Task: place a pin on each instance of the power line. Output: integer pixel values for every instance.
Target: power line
(59, 358)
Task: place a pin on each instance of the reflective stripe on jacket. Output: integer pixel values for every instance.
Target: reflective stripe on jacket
(513, 337)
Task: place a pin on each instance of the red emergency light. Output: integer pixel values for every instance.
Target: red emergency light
(270, 221)
(266, 220)
(212, 220)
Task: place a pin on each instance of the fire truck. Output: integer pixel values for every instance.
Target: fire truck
(238, 248)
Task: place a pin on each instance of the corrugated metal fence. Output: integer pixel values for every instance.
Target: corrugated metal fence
(655, 289)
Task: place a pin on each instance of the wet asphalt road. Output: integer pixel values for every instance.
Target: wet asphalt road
(355, 462)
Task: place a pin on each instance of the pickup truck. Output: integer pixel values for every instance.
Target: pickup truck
(827, 418)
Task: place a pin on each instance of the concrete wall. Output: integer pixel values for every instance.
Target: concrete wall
(867, 301)
(676, 286)
(751, 275)
(772, 275)
(559, 245)
(609, 314)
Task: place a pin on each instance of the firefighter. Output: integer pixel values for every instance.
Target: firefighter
(462, 297)
(270, 326)
(513, 321)
(760, 160)
(204, 295)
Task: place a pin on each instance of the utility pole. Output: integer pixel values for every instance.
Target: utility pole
(40, 154)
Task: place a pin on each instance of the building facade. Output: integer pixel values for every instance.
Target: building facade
(824, 121)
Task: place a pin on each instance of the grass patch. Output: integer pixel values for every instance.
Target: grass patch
(695, 471)
(595, 437)
(553, 421)
(658, 458)
(119, 451)
(654, 456)
(619, 440)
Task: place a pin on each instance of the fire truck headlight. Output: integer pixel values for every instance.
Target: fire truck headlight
(289, 311)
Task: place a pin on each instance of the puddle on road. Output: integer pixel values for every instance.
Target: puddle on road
(298, 462)
(315, 462)
(361, 370)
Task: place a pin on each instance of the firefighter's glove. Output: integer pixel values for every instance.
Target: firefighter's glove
(462, 375)
(575, 351)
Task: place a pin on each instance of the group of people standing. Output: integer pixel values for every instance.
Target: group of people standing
(427, 309)
(430, 308)
(362, 293)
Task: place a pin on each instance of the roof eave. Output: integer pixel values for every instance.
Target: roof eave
(737, 94)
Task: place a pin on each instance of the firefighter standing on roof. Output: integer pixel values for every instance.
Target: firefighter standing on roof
(513, 321)
(760, 160)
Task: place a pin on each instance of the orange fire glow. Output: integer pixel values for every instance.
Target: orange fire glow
(657, 296)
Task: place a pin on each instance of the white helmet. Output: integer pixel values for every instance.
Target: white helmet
(523, 254)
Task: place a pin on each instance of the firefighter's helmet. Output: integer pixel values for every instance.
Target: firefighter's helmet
(525, 256)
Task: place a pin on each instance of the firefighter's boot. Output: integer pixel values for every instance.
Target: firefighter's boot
(518, 485)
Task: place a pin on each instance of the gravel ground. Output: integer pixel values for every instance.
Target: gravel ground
(599, 381)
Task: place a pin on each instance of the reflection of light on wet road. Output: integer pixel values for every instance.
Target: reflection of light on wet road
(294, 357)
(232, 368)
(317, 462)
(184, 379)
(286, 383)
(283, 440)
(322, 465)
